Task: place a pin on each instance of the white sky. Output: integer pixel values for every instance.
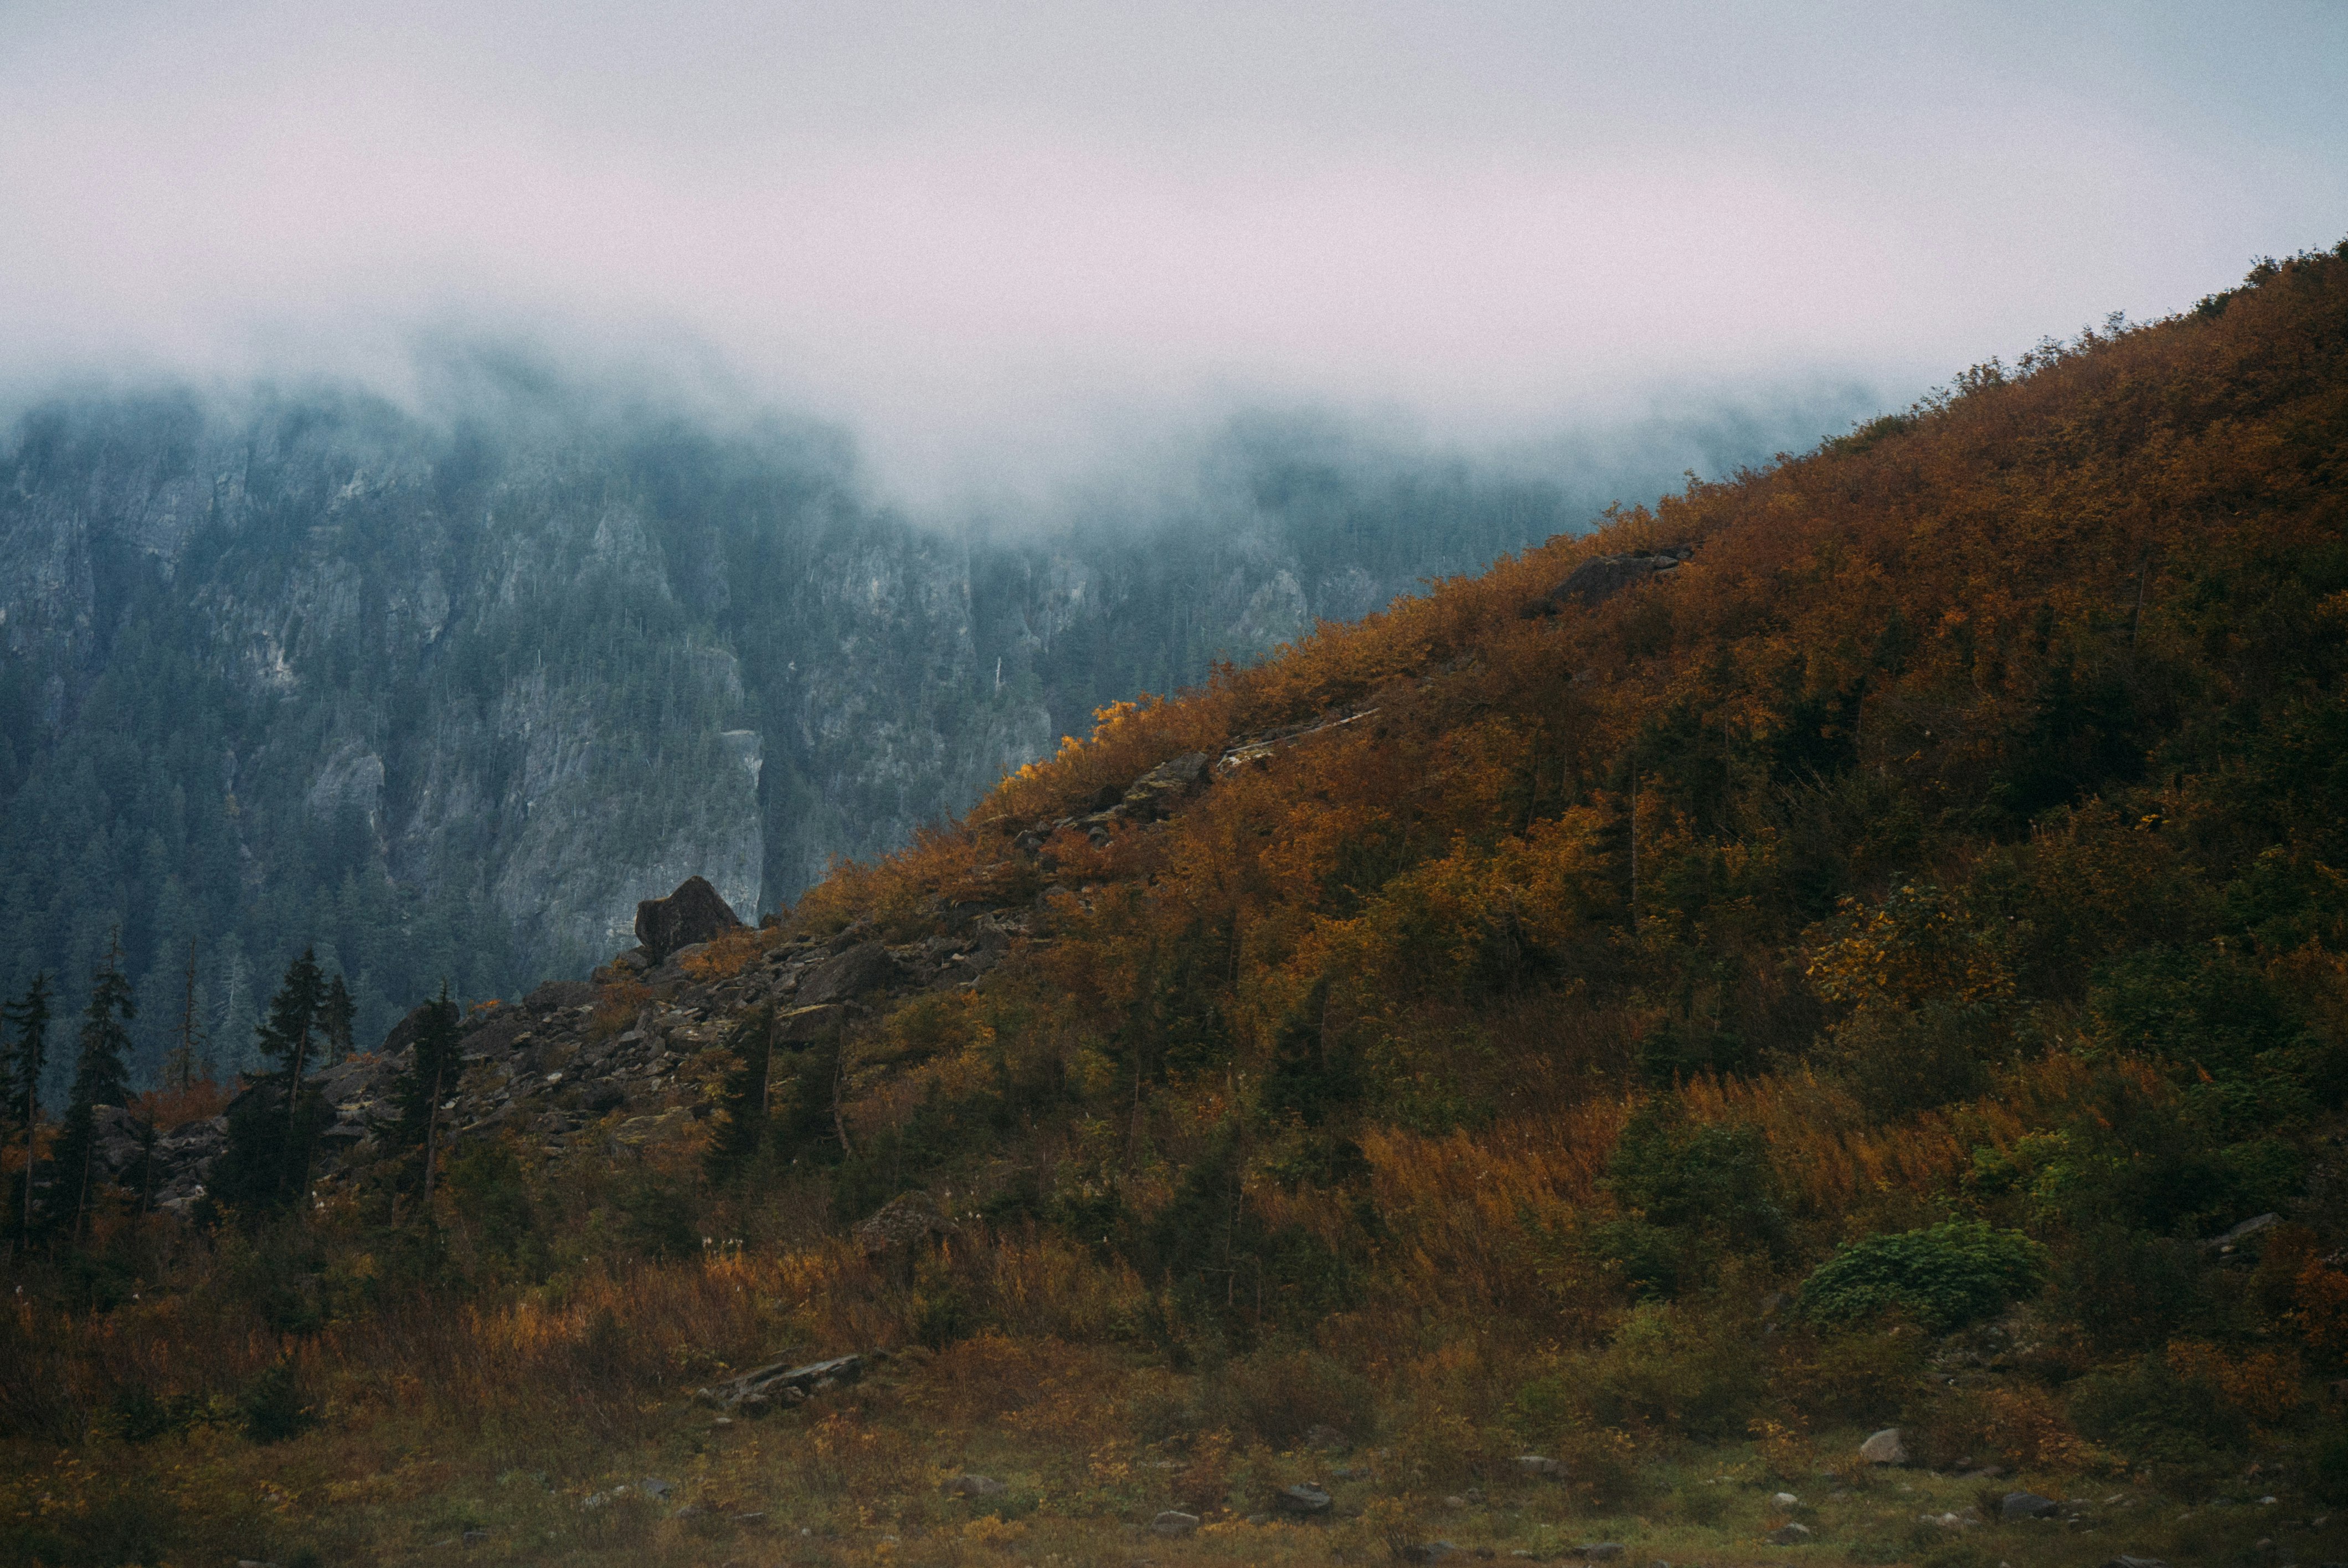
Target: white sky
(986, 233)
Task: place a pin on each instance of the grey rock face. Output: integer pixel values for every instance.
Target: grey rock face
(2028, 1505)
(1174, 1523)
(864, 968)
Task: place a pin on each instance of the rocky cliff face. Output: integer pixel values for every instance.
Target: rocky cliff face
(449, 698)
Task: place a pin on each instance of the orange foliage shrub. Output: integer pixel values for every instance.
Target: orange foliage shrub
(728, 954)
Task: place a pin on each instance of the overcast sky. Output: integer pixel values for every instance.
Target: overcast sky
(973, 227)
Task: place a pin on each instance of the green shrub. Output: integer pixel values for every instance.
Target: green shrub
(2149, 1412)
(1668, 1367)
(2126, 1290)
(272, 1406)
(1944, 1278)
(1712, 1179)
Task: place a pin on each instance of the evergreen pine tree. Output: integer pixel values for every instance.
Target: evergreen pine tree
(744, 1095)
(335, 1019)
(286, 1037)
(27, 1020)
(272, 1127)
(429, 1077)
(180, 1065)
(101, 1077)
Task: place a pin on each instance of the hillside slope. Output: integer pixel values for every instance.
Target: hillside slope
(1562, 1060)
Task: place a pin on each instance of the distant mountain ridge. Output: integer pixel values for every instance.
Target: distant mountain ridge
(446, 697)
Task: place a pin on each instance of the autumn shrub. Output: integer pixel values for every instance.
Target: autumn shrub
(2149, 1411)
(1898, 1062)
(1944, 1277)
(617, 1003)
(2020, 1426)
(1861, 1376)
(1280, 1396)
(726, 955)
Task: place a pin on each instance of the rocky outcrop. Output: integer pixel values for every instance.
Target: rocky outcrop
(694, 913)
(781, 1384)
(1600, 578)
(844, 977)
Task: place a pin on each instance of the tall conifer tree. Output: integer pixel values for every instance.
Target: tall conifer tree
(101, 1077)
(428, 1078)
(26, 1020)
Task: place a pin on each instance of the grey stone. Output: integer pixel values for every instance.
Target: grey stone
(1788, 1535)
(1603, 1551)
(1886, 1447)
(1303, 1498)
(1174, 1523)
(1428, 1551)
(2028, 1505)
(654, 1486)
(1540, 1465)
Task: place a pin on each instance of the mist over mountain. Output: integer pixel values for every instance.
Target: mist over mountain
(445, 691)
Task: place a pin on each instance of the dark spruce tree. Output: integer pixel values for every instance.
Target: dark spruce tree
(743, 1097)
(428, 1081)
(23, 1050)
(273, 1126)
(101, 1078)
(334, 1014)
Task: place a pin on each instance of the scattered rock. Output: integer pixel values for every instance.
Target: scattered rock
(694, 913)
(1173, 1523)
(656, 1489)
(2028, 1505)
(1785, 1499)
(1788, 1535)
(1428, 1552)
(1885, 1446)
(975, 1486)
(753, 1393)
(1540, 1465)
(474, 1537)
(1305, 1500)
(1603, 1551)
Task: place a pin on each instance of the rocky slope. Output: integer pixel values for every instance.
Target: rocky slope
(445, 698)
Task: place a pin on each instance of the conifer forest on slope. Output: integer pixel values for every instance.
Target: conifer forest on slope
(1530, 1071)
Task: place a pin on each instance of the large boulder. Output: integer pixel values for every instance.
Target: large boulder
(694, 913)
(1886, 1447)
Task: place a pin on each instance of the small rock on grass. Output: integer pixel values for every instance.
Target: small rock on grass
(1603, 1551)
(1174, 1523)
(1428, 1551)
(2028, 1505)
(1306, 1500)
(1788, 1535)
(1540, 1465)
(975, 1486)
